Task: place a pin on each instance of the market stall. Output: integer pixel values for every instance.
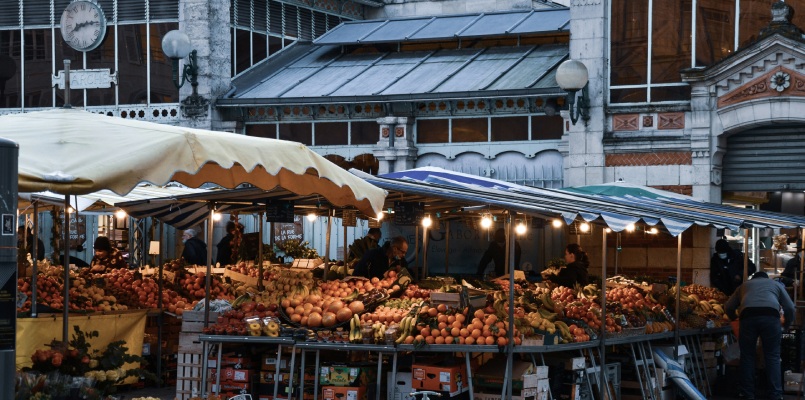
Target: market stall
(61, 151)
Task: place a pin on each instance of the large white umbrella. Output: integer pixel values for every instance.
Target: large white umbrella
(71, 151)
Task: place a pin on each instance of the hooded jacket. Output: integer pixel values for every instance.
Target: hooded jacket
(573, 273)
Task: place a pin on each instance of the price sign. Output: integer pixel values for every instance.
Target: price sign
(408, 213)
(283, 232)
(349, 218)
(279, 211)
(78, 230)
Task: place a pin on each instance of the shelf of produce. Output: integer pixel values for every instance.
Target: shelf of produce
(451, 348)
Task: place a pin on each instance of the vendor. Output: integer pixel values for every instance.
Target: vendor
(497, 252)
(575, 272)
(360, 246)
(225, 256)
(25, 242)
(727, 268)
(195, 251)
(390, 256)
(791, 272)
(106, 257)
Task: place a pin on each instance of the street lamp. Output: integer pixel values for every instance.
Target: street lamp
(572, 77)
(176, 46)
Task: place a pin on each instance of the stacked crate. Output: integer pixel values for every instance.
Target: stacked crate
(190, 360)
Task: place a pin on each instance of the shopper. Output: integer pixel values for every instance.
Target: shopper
(390, 256)
(360, 246)
(225, 256)
(727, 268)
(195, 251)
(575, 272)
(497, 252)
(791, 272)
(106, 257)
(26, 236)
(758, 302)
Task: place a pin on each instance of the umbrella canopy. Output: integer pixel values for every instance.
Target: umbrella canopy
(70, 151)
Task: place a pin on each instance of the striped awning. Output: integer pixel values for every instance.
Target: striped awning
(674, 213)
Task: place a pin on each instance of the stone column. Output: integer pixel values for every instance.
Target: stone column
(582, 145)
(207, 25)
(395, 151)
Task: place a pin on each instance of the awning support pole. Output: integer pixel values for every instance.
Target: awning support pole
(416, 251)
(424, 251)
(447, 249)
(746, 254)
(678, 293)
(208, 280)
(602, 387)
(801, 263)
(510, 247)
(259, 251)
(66, 263)
(35, 268)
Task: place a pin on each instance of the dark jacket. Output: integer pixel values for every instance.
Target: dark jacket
(195, 251)
(224, 251)
(723, 272)
(375, 263)
(40, 247)
(573, 273)
(113, 260)
(791, 271)
(497, 252)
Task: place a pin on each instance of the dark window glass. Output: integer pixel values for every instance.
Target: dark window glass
(629, 42)
(10, 52)
(670, 50)
(262, 130)
(332, 133)
(755, 15)
(302, 133)
(506, 129)
(364, 132)
(242, 58)
(259, 47)
(674, 93)
(132, 45)
(544, 127)
(162, 88)
(432, 131)
(627, 95)
(38, 92)
(470, 130)
(715, 30)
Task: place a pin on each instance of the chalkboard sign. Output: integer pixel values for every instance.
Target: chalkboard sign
(408, 213)
(349, 218)
(292, 231)
(78, 231)
(279, 211)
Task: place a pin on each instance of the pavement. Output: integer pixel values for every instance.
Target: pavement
(163, 393)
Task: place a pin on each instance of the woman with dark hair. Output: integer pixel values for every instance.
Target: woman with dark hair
(575, 272)
(106, 257)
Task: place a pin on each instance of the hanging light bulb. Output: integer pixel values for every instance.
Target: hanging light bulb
(312, 217)
(486, 222)
(584, 227)
(520, 228)
(607, 230)
(216, 216)
(380, 216)
(557, 223)
(427, 221)
(70, 210)
(630, 228)
(120, 214)
(652, 231)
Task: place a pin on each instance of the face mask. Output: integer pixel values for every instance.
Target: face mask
(722, 256)
(398, 258)
(184, 239)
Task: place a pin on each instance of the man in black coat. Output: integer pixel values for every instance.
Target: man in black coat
(377, 261)
(497, 252)
(727, 268)
(195, 251)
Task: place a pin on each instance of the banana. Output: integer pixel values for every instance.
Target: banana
(548, 301)
(550, 316)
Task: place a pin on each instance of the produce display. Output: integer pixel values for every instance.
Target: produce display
(391, 310)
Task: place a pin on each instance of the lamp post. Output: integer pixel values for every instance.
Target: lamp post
(176, 46)
(572, 77)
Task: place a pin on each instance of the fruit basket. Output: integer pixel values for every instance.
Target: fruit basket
(287, 320)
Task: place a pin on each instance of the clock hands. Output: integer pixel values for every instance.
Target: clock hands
(83, 24)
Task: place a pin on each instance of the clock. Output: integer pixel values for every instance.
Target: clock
(83, 25)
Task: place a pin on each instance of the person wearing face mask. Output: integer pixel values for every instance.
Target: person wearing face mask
(727, 268)
(390, 256)
(195, 251)
(106, 257)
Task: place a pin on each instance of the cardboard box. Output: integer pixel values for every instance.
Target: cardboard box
(342, 375)
(792, 382)
(343, 393)
(532, 380)
(400, 389)
(230, 386)
(493, 396)
(444, 378)
(575, 363)
(533, 394)
(269, 362)
(708, 346)
(231, 361)
(541, 385)
(489, 375)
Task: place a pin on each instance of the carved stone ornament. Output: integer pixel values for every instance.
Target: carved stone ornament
(772, 84)
(399, 131)
(625, 122)
(385, 131)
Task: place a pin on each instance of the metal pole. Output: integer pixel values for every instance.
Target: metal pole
(602, 387)
(330, 214)
(159, 318)
(416, 251)
(35, 268)
(678, 293)
(208, 280)
(447, 249)
(259, 251)
(424, 251)
(510, 247)
(66, 264)
(746, 254)
(801, 263)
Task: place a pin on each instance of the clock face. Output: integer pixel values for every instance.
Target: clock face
(83, 25)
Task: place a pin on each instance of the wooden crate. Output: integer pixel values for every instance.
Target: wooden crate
(189, 343)
(188, 375)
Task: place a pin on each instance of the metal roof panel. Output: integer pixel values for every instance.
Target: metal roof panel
(396, 30)
(544, 21)
(444, 27)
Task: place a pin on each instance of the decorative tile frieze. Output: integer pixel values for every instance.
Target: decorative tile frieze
(648, 121)
(625, 122)
(647, 159)
(778, 82)
(671, 120)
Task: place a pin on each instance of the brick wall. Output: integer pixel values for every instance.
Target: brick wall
(647, 159)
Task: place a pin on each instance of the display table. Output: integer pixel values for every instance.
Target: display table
(318, 346)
